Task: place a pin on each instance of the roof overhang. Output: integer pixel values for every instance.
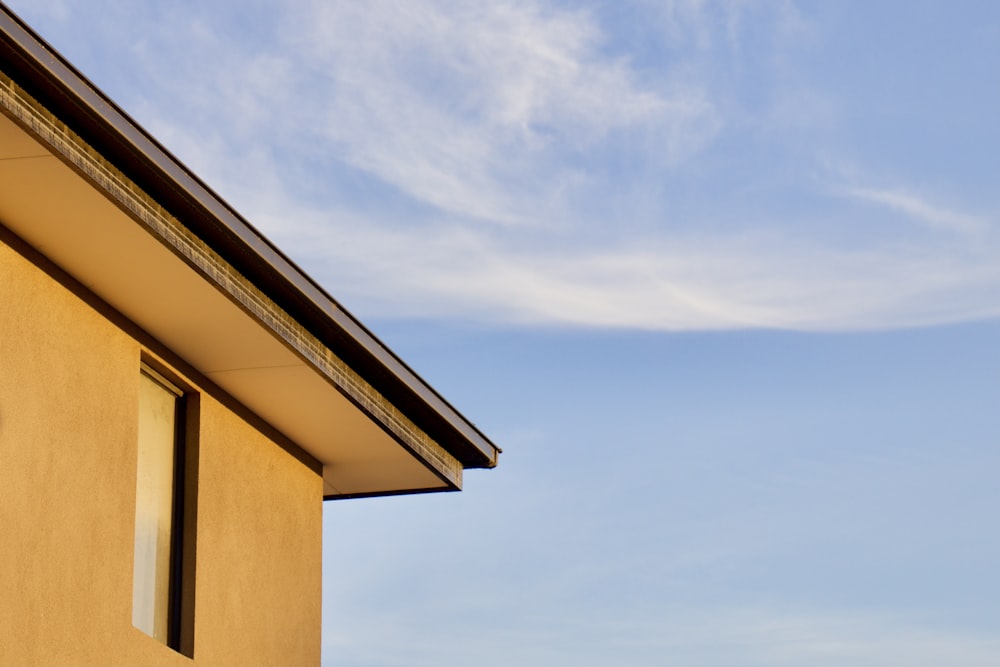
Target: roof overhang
(87, 188)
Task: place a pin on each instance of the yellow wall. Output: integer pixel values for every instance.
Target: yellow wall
(68, 429)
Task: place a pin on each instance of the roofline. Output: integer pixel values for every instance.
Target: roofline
(55, 83)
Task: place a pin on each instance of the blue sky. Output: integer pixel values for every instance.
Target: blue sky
(722, 279)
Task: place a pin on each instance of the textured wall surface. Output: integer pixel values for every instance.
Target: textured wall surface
(68, 428)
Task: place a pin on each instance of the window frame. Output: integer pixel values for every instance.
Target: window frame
(183, 505)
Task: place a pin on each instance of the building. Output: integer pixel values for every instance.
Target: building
(176, 400)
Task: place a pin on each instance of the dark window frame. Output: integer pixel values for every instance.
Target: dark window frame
(183, 534)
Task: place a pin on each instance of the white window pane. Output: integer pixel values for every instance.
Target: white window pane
(154, 508)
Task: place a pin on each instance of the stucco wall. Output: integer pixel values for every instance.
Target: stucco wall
(68, 428)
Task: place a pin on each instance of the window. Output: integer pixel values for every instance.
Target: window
(157, 581)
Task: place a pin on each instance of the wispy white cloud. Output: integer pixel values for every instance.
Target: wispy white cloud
(688, 282)
(510, 162)
(923, 211)
(472, 107)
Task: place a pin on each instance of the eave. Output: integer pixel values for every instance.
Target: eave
(131, 222)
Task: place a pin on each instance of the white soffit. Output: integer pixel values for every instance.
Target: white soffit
(63, 216)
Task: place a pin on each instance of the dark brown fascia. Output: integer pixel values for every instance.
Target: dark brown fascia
(57, 85)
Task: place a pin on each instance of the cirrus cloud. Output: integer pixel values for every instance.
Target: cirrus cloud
(513, 162)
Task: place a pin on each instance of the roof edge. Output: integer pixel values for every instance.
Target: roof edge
(88, 112)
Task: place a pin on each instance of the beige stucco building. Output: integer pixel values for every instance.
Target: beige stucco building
(177, 399)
